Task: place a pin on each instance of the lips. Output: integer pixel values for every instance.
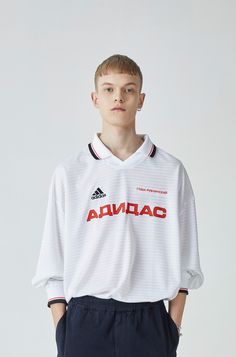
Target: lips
(118, 108)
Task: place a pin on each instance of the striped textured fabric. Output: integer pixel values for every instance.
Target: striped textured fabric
(122, 229)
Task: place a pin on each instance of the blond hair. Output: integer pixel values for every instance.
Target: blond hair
(119, 64)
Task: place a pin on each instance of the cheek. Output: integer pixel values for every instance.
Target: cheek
(134, 102)
(103, 101)
(105, 105)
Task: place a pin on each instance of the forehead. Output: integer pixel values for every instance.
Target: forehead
(118, 79)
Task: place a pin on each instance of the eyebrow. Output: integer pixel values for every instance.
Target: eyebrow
(106, 83)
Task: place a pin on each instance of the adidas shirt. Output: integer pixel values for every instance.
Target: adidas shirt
(122, 229)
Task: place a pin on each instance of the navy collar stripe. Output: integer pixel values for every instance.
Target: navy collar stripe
(93, 152)
(153, 151)
(95, 155)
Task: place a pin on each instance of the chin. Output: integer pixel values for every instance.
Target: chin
(119, 122)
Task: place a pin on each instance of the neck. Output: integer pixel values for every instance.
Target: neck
(122, 143)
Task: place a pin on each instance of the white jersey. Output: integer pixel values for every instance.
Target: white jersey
(121, 229)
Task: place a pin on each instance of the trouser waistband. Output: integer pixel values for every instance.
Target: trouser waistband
(90, 301)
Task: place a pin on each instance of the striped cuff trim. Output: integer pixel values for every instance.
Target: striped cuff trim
(183, 290)
(56, 300)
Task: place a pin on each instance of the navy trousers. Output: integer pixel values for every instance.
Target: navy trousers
(95, 327)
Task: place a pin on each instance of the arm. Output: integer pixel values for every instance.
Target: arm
(191, 274)
(58, 310)
(50, 267)
(176, 307)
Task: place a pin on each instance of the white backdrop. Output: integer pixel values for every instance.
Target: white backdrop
(50, 50)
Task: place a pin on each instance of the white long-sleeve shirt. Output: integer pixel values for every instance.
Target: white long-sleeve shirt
(122, 229)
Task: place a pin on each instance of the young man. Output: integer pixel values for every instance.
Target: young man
(120, 234)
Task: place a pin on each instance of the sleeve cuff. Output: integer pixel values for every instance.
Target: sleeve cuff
(57, 300)
(55, 292)
(183, 290)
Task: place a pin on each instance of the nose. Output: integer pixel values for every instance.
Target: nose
(118, 97)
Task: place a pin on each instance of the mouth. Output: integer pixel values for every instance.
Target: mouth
(118, 109)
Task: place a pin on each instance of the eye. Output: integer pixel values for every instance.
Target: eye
(107, 89)
(129, 89)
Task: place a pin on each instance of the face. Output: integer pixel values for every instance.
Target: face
(118, 90)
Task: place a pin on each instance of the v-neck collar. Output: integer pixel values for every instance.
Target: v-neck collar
(100, 151)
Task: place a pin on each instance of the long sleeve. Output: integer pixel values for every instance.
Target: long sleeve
(191, 273)
(50, 266)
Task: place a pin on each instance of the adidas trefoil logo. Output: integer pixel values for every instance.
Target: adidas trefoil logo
(98, 194)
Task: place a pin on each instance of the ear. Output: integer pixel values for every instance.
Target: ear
(141, 99)
(94, 99)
